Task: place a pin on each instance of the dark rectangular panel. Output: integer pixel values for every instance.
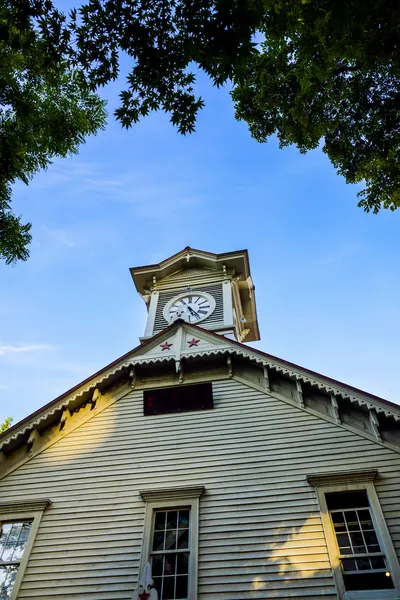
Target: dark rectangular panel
(351, 499)
(178, 399)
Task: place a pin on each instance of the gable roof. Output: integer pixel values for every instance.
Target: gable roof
(183, 341)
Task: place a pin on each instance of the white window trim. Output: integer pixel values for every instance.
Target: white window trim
(29, 510)
(174, 498)
(354, 481)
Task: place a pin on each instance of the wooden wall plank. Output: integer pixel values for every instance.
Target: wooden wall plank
(260, 529)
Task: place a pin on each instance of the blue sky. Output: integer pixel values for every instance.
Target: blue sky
(326, 273)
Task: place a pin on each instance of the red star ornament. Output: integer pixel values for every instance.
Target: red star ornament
(165, 346)
(193, 342)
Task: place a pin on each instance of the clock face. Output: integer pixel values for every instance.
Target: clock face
(192, 307)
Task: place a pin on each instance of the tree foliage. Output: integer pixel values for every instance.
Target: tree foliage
(165, 39)
(46, 107)
(327, 71)
(330, 71)
(6, 424)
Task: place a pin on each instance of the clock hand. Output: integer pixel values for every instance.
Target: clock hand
(193, 312)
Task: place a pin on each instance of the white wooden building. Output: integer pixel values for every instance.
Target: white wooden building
(235, 474)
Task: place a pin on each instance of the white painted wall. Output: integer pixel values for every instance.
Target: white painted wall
(260, 528)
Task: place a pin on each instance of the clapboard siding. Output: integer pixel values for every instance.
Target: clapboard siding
(189, 277)
(216, 317)
(260, 529)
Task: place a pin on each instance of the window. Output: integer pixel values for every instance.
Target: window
(18, 526)
(13, 539)
(363, 563)
(178, 399)
(361, 551)
(170, 540)
(170, 553)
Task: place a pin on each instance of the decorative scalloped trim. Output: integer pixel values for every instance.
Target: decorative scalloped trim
(91, 386)
(155, 358)
(223, 349)
(299, 376)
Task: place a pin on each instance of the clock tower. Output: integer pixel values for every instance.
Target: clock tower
(214, 291)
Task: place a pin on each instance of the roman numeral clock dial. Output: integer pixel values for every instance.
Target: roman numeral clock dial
(192, 307)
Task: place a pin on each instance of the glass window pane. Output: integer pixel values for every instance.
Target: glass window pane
(357, 542)
(14, 533)
(168, 588)
(170, 540)
(183, 519)
(169, 564)
(378, 562)
(158, 542)
(181, 587)
(182, 563)
(172, 519)
(349, 564)
(338, 522)
(157, 565)
(183, 538)
(370, 537)
(363, 564)
(365, 519)
(25, 530)
(19, 548)
(352, 521)
(343, 540)
(7, 577)
(8, 550)
(159, 521)
(372, 541)
(5, 531)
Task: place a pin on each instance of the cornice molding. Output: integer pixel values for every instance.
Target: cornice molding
(341, 477)
(174, 493)
(299, 375)
(19, 506)
(224, 346)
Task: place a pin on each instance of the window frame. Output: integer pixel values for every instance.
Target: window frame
(349, 482)
(25, 510)
(184, 497)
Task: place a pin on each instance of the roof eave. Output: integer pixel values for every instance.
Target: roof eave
(143, 274)
(119, 363)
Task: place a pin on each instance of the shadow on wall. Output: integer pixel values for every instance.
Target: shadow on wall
(298, 559)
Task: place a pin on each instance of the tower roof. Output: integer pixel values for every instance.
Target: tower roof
(237, 261)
